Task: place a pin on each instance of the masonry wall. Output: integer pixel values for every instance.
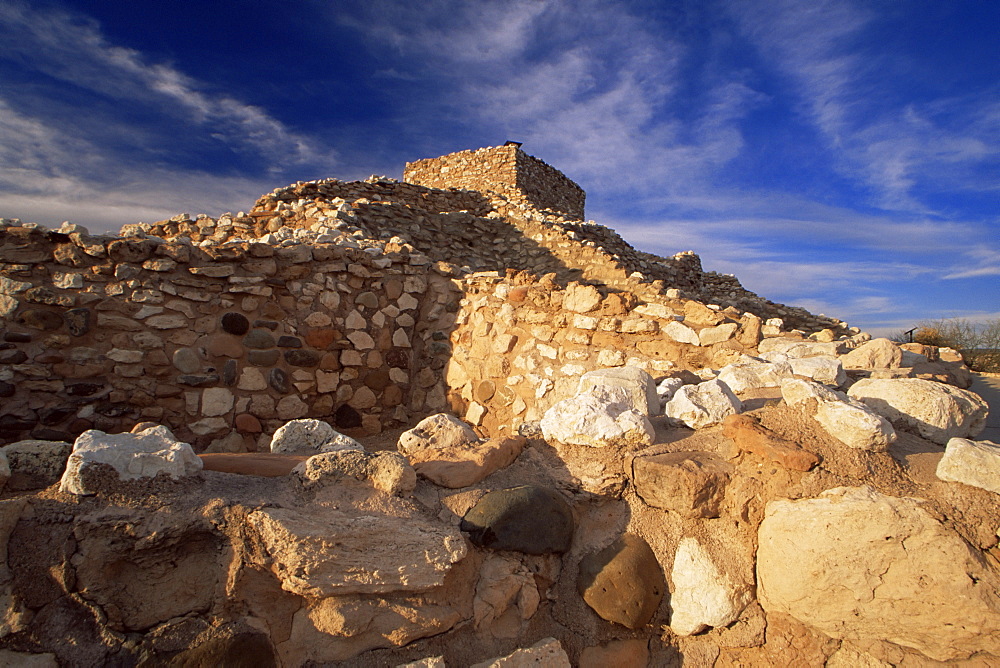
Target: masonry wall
(506, 170)
(221, 344)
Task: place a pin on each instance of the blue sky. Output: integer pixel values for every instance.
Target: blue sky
(840, 156)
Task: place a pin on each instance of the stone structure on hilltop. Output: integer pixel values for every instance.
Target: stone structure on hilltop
(447, 422)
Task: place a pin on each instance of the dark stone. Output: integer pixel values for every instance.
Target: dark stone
(83, 389)
(623, 583)
(116, 409)
(259, 339)
(398, 358)
(286, 341)
(55, 414)
(235, 323)
(198, 379)
(529, 519)
(18, 422)
(230, 372)
(266, 324)
(246, 648)
(41, 319)
(378, 379)
(346, 417)
(50, 434)
(262, 357)
(17, 337)
(78, 321)
(43, 295)
(278, 379)
(131, 250)
(12, 356)
(6, 389)
(302, 357)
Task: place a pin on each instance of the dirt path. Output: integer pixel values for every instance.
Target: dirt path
(988, 387)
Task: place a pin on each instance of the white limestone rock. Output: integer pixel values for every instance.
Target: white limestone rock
(874, 354)
(308, 436)
(133, 456)
(702, 405)
(681, 333)
(637, 383)
(826, 370)
(437, 431)
(858, 565)
(754, 375)
(666, 390)
(849, 421)
(938, 412)
(975, 463)
(702, 595)
(598, 418)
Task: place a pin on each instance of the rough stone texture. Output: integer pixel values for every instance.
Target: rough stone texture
(638, 384)
(36, 464)
(461, 466)
(132, 456)
(855, 425)
(506, 596)
(336, 554)
(702, 595)
(546, 653)
(623, 583)
(437, 431)
(874, 354)
(386, 471)
(529, 519)
(702, 405)
(975, 463)
(826, 370)
(601, 417)
(754, 375)
(627, 653)
(692, 484)
(581, 298)
(749, 436)
(310, 436)
(936, 411)
(859, 565)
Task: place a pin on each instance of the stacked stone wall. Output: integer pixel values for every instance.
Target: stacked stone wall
(221, 343)
(505, 170)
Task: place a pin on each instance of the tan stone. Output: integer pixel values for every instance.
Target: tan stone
(749, 436)
(464, 465)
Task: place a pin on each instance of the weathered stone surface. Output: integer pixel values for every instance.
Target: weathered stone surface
(681, 333)
(712, 335)
(702, 405)
(601, 417)
(132, 456)
(40, 319)
(263, 357)
(506, 596)
(859, 565)
(437, 431)
(692, 484)
(625, 653)
(546, 653)
(310, 437)
(529, 519)
(874, 354)
(36, 464)
(855, 425)
(259, 339)
(463, 465)
(702, 595)
(581, 298)
(749, 436)
(187, 360)
(216, 401)
(623, 583)
(826, 370)
(975, 463)
(936, 411)
(637, 383)
(319, 554)
(754, 375)
(78, 321)
(386, 471)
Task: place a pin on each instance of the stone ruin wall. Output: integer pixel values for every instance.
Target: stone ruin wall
(506, 170)
(221, 345)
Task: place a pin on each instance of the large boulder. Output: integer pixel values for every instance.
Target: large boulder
(330, 553)
(600, 417)
(131, 456)
(936, 411)
(638, 385)
(975, 463)
(874, 354)
(747, 376)
(692, 484)
(623, 583)
(826, 370)
(850, 422)
(859, 565)
(529, 519)
(702, 596)
(702, 405)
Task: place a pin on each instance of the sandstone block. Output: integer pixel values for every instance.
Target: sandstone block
(692, 484)
(859, 565)
(132, 456)
(464, 465)
(386, 471)
(936, 411)
(749, 436)
(546, 653)
(626, 653)
(623, 583)
(702, 405)
(702, 595)
(975, 463)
